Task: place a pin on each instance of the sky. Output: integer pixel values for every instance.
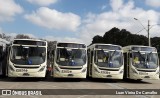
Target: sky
(77, 20)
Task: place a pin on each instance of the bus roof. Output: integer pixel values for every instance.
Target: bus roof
(70, 43)
(30, 40)
(131, 47)
(103, 44)
(36, 42)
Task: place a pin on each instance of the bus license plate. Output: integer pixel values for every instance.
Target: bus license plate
(105, 72)
(66, 71)
(21, 70)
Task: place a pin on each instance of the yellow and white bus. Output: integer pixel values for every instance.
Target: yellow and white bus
(141, 62)
(27, 58)
(69, 60)
(105, 61)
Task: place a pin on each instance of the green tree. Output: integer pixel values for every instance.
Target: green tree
(120, 37)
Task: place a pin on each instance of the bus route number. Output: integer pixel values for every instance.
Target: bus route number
(21, 70)
(105, 72)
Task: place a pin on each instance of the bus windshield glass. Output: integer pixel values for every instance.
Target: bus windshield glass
(23, 55)
(145, 60)
(110, 59)
(71, 57)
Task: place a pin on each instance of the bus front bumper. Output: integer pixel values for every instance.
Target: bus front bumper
(25, 74)
(151, 76)
(107, 76)
(69, 75)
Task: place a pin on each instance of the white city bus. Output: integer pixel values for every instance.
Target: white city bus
(141, 62)
(69, 61)
(27, 58)
(105, 61)
(3, 56)
(2, 61)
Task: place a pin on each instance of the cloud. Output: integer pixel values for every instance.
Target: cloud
(42, 2)
(153, 3)
(13, 35)
(121, 16)
(53, 19)
(30, 35)
(64, 39)
(8, 9)
(103, 7)
(1, 30)
(116, 4)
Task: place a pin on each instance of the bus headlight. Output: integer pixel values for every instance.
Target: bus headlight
(121, 71)
(157, 72)
(42, 69)
(11, 68)
(84, 70)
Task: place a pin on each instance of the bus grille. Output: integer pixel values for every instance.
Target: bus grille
(109, 69)
(147, 70)
(27, 67)
(71, 68)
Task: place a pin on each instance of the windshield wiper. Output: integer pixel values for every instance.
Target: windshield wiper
(104, 53)
(141, 55)
(145, 59)
(112, 55)
(148, 56)
(68, 53)
(110, 63)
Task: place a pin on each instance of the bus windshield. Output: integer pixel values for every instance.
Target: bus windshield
(28, 55)
(111, 59)
(145, 60)
(71, 57)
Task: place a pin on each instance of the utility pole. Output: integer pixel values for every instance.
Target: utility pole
(149, 40)
(147, 29)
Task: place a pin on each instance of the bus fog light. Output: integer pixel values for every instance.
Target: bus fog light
(157, 72)
(84, 70)
(121, 71)
(42, 69)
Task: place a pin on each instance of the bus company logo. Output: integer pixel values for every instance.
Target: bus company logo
(6, 92)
